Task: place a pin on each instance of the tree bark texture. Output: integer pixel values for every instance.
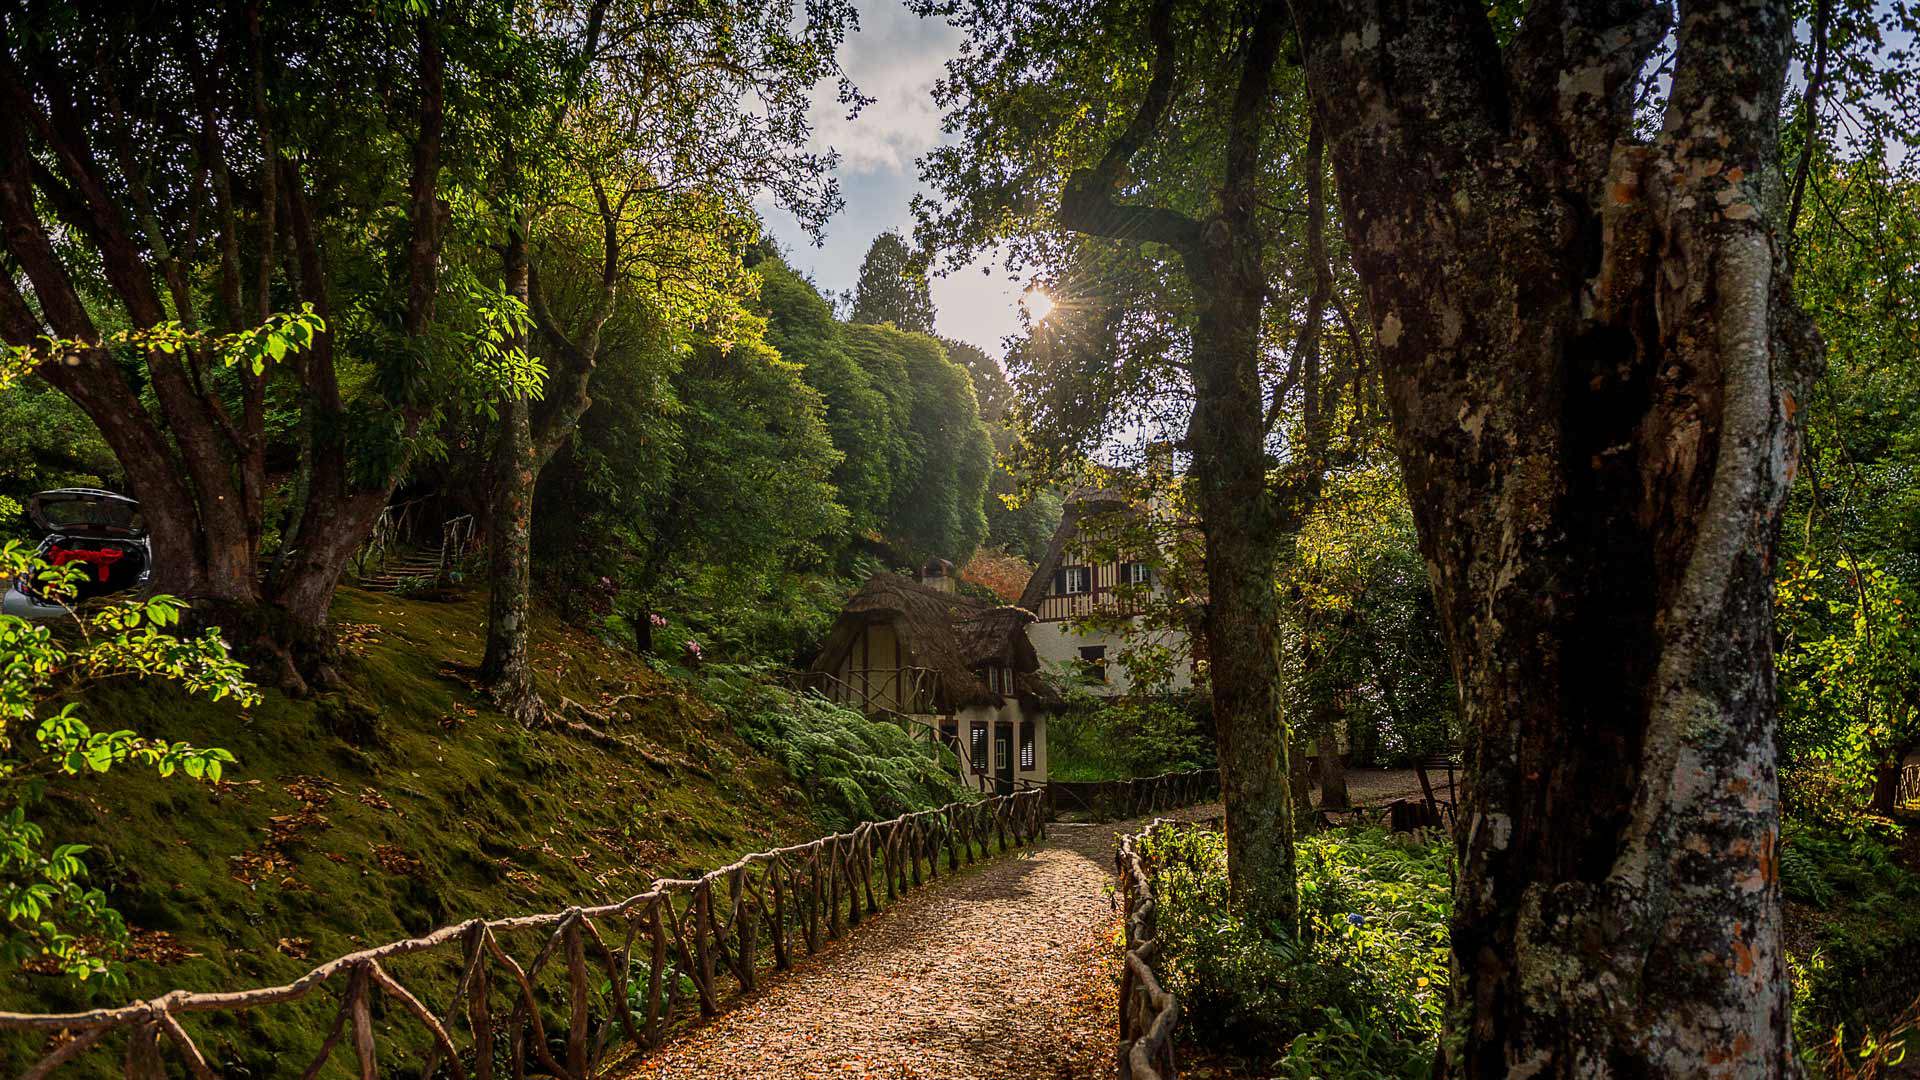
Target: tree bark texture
(196, 457)
(1593, 361)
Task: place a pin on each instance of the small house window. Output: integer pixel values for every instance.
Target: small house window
(1072, 580)
(979, 754)
(1136, 573)
(1026, 748)
(1093, 662)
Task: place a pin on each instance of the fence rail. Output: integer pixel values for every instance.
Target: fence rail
(680, 940)
(870, 690)
(1116, 800)
(1149, 1014)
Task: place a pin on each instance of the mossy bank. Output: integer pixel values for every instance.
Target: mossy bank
(400, 804)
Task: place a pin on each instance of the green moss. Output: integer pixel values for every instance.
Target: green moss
(400, 804)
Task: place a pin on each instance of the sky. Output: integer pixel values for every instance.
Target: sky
(894, 59)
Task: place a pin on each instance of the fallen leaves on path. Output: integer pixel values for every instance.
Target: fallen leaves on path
(1004, 971)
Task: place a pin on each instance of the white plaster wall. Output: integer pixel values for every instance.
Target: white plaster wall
(1057, 643)
(1013, 711)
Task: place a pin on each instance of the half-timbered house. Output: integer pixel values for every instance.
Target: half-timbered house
(1074, 579)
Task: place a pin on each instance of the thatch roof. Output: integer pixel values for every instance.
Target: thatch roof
(954, 635)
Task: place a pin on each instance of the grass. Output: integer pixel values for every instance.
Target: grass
(399, 805)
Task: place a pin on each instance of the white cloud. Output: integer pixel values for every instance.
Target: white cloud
(895, 59)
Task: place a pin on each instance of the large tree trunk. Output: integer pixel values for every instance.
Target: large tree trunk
(1222, 256)
(1593, 360)
(1227, 440)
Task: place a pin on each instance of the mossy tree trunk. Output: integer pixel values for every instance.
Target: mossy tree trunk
(1223, 258)
(526, 439)
(1594, 362)
(507, 669)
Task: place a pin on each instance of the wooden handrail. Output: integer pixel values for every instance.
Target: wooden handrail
(1112, 800)
(680, 938)
(1149, 1013)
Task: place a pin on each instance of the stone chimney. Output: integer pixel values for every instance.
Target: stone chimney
(937, 574)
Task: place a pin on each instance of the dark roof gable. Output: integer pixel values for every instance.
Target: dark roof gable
(949, 633)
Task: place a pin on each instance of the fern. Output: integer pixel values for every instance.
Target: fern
(856, 770)
(1802, 878)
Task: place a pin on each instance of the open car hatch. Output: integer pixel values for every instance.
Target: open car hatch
(87, 512)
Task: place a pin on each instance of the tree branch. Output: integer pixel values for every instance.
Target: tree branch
(1816, 85)
(1087, 202)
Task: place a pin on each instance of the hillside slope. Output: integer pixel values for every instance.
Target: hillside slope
(398, 805)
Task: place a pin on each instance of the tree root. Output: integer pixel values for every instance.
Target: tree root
(599, 735)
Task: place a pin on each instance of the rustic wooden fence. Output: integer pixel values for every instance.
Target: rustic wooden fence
(1117, 800)
(678, 942)
(1149, 1014)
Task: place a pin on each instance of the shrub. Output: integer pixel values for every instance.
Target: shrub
(852, 768)
(1359, 993)
(1104, 739)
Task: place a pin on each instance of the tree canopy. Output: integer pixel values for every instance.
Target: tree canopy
(892, 288)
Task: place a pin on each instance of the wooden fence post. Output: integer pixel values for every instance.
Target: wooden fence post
(577, 991)
(703, 946)
(777, 870)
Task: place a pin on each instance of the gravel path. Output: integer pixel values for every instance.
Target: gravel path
(1006, 971)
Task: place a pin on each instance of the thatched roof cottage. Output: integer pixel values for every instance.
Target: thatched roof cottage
(950, 666)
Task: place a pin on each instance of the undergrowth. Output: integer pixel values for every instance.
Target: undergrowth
(851, 768)
(1359, 993)
(1097, 738)
(1854, 927)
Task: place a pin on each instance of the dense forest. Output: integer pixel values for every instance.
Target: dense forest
(1534, 387)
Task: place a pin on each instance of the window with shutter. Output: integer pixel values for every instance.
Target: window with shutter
(1093, 663)
(979, 748)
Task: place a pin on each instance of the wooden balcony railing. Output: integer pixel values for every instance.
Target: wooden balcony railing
(1055, 608)
(873, 690)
